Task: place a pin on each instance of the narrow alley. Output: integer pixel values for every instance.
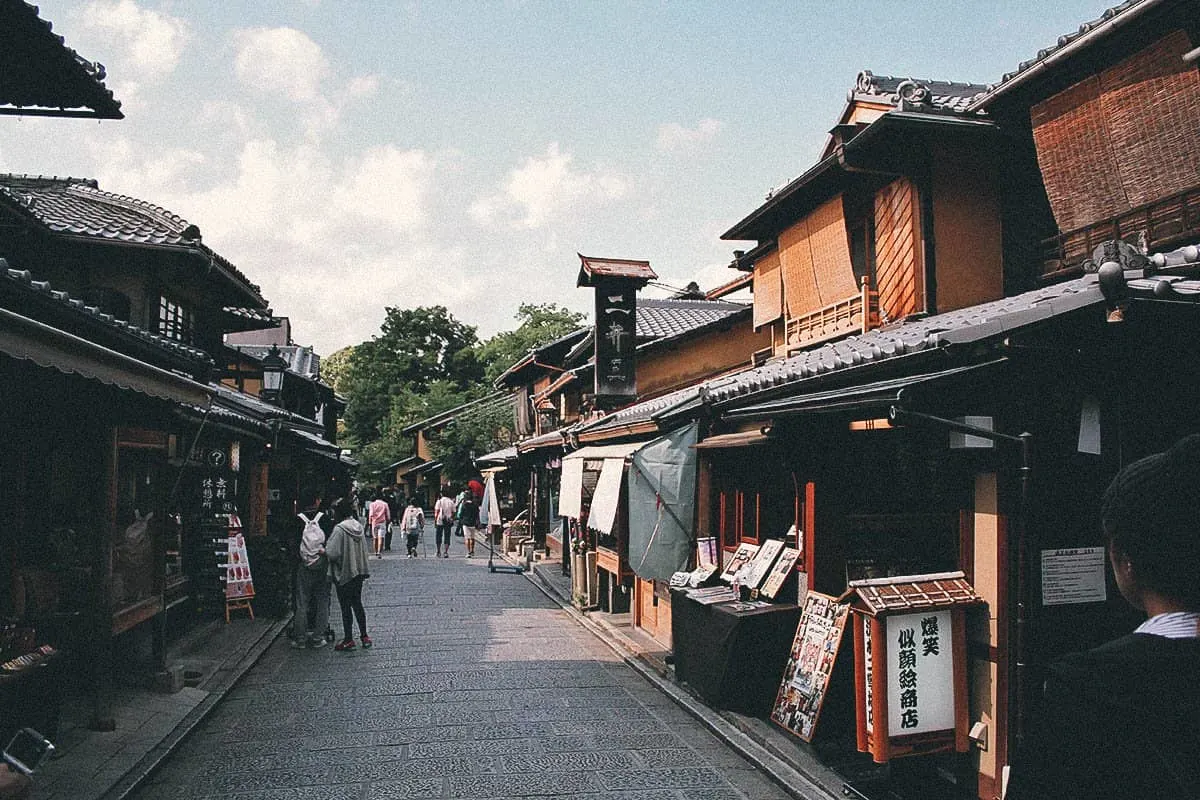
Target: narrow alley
(477, 685)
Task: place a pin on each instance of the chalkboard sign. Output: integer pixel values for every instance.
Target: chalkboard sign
(810, 665)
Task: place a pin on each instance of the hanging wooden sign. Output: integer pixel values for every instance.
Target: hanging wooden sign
(810, 665)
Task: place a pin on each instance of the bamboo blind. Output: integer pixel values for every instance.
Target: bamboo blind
(768, 291)
(1122, 138)
(815, 260)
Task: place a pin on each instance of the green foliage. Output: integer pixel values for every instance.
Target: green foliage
(540, 324)
(334, 367)
(424, 362)
(479, 430)
(415, 348)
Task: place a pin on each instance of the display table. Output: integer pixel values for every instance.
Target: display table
(732, 659)
(30, 697)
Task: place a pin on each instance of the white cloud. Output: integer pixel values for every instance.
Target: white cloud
(675, 137)
(280, 60)
(363, 86)
(387, 185)
(544, 187)
(147, 42)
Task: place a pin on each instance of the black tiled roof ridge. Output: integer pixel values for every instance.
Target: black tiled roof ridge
(1066, 38)
(92, 69)
(167, 219)
(870, 83)
(45, 181)
(681, 303)
(24, 277)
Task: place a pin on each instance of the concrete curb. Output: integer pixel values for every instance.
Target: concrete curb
(223, 680)
(787, 776)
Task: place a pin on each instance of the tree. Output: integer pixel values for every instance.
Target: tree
(478, 430)
(333, 368)
(540, 324)
(415, 347)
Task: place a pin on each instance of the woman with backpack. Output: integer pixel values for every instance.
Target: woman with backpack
(413, 524)
(348, 559)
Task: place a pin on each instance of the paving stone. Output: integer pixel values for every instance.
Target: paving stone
(478, 687)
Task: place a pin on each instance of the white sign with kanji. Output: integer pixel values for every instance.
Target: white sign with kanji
(920, 673)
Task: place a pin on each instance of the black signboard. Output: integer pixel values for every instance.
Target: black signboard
(616, 315)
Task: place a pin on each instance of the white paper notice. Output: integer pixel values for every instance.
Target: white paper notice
(1073, 576)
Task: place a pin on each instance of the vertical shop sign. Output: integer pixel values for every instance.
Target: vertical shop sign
(920, 689)
(868, 685)
(615, 339)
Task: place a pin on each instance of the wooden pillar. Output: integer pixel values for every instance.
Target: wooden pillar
(101, 624)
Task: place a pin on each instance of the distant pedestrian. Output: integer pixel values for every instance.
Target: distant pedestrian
(468, 518)
(395, 509)
(1123, 720)
(413, 524)
(311, 616)
(378, 517)
(443, 521)
(348, 559)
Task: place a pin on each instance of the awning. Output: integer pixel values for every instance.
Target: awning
(740, 439)
(607, 496)
(878, 396)
(46, 346)
(571, 483)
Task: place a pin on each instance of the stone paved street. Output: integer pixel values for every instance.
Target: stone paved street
(478, 686)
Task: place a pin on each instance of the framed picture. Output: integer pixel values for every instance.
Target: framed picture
(740, 558)
(762, 562)
(784, 565)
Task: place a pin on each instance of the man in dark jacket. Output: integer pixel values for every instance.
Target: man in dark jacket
(1123, 720)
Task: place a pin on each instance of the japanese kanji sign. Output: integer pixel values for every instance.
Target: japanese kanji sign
(920, 673)
(615, 335)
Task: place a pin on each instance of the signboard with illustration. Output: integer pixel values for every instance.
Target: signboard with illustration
(810, 665)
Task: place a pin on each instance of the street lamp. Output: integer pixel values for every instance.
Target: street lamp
(273, 366)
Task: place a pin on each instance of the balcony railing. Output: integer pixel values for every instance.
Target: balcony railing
(856, 314)
(1165, 223)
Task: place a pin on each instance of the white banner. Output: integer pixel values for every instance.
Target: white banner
(920, 673)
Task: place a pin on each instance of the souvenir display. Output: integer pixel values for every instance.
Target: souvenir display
(780, 572)
(810, 665)
(761, 564)
(740, 558)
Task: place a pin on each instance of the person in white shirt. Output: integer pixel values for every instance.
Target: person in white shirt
(443, 520)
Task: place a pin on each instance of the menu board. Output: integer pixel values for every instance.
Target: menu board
(810, 665)
(740, 558)
(762, 562)
(780, 572)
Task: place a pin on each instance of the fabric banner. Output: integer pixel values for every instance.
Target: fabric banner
(489, 509)
(662, 499)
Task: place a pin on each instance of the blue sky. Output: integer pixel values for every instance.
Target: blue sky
(349, 156)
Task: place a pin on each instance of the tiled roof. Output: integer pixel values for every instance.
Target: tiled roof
(994, 319)
(22, 280)
(78, 207)
(946, 95)
(40, 75)
(913, 592)
(644, 411)
(1091, 29)
(665, 318)
(494, 399)
(590, 268)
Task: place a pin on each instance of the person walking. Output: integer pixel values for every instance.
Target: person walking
(311, 616)
(1123, 720)
(395, 509)
(378, 517)
(468, 518)
(413, 524)
(443, 520)
(458, 502)
(348, 560)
